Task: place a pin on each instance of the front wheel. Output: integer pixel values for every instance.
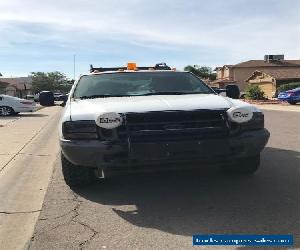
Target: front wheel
(6, 111)
(246, 166)
(76, 175)
(292, 102)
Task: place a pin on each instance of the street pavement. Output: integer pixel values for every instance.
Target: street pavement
(280, 107)
(164, 210)
(28, 150)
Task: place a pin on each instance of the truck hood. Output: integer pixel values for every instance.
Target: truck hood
(90, 109)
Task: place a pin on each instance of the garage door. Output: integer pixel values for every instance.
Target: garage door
(267, 88)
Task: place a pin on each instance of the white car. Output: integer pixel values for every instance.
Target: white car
(147, 118)
(10, 105)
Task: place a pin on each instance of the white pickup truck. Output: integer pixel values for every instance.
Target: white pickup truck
(145, 118)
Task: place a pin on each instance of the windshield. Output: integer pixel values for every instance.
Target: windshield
(138, 84)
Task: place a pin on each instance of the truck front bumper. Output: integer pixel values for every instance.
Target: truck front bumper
(126, 156)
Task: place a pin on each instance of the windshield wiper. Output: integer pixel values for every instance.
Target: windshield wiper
(98, 96)
(172, 93)
(146, 94)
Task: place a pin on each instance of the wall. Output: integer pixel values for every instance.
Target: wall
(224, 73)
(219, 74)
(228, 73)
(241, 74)
(266, 83)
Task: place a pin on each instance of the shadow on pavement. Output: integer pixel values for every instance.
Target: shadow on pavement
(207, 201)
(31, 115)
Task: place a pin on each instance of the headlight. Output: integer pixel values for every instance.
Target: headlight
(80, 130)
(256, 122)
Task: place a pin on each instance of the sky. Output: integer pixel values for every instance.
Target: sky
(45, 35)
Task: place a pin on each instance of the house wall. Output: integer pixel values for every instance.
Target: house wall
(219, 85)
(224, 73)
(13, 91)
(15, 86)
(3, 86)
(227, 73)
(10, 90)
(240, 75)
(219, 74)
(266, 83)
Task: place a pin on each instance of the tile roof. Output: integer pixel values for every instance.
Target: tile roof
(262, 63)
(280, 74)
(226, 65)
(17, 81)
(3, 84)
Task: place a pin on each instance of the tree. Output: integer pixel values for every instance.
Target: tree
(254, 92)
(202, 71)
(51, 81)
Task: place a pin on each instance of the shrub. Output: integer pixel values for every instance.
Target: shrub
(288, 86)
(254, 92)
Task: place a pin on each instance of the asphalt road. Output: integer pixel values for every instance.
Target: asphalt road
(164, 210)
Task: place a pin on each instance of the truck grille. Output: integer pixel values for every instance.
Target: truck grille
(174, 125)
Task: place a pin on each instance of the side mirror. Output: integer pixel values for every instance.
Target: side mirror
(233, 91)
(64, 99)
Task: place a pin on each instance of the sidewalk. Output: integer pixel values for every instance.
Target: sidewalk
(7, 120)
(28, 150)
(17, 131)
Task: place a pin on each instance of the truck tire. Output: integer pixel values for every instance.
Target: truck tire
(76, 175)
(247, 166)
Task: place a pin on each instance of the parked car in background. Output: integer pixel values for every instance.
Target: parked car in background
(36, 97)
(218, 90)
(58, 96)
(10, 105)
(231, 90)
(291, 96)
(46, 98)
(64, 100)
(29, 97)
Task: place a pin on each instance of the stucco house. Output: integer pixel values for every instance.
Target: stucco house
(269, 81)
(240, 73)
(16, 86)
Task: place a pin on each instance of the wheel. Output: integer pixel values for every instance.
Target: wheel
(76, 175)
(6, 111)
(246, 165)
(292, 102)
